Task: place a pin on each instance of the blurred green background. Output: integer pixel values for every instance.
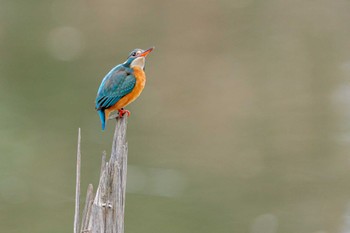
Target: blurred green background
(244, 124)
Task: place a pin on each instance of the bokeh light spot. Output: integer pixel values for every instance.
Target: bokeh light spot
(65, 43)
(266, 223)
(155, 181)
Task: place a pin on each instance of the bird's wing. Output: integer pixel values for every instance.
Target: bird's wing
(117, 83)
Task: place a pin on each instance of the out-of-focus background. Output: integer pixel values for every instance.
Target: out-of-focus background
(244, 124)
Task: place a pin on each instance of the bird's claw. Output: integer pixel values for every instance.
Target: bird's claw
(122, 112)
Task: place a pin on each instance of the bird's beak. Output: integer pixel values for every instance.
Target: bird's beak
(146, 52)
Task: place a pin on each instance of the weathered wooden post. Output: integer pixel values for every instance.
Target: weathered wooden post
(104, 211)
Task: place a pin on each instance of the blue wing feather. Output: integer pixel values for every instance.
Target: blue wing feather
(119, 82)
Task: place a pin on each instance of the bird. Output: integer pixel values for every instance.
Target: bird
(122, 85)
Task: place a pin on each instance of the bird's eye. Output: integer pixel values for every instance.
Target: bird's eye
(133, 54)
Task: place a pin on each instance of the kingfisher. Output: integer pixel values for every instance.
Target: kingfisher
(122, 85)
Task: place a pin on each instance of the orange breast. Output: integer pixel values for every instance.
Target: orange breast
(127, 99)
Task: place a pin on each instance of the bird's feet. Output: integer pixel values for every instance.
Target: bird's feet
(122, 111)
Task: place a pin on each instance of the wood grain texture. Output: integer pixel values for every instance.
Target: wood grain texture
(104, 211)
(77, 186)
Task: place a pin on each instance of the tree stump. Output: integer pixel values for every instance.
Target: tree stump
(104, 210)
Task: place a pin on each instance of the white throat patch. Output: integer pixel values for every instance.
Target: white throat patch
(140, 62)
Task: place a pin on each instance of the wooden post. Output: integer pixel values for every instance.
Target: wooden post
(77, 186)
(104, 211)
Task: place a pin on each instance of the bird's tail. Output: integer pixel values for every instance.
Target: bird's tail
(101, 113)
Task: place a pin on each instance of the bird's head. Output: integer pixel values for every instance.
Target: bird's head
(137, 58)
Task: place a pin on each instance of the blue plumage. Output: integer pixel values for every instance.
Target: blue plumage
(101, 114)
(118, 82)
